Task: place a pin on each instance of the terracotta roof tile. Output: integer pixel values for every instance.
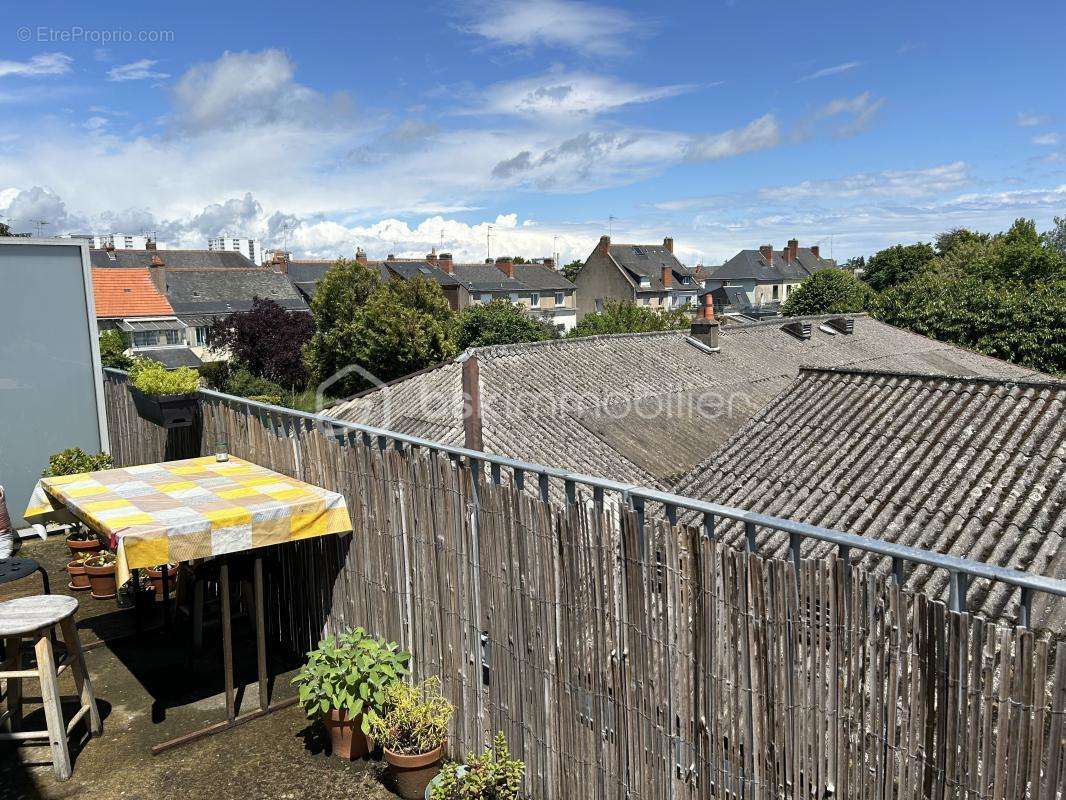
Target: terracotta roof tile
(127, 293)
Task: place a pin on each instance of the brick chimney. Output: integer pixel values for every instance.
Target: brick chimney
(548, 262)
(705, 327)
(767, 252)
(793, 250)
(390, 257)
(149, 243)
(814, 251)
(505, 265)
(360, 255)
(431, 256)
(668, 243)
(604, 245)
(444, 261)
(667, 276)
(158, 273)
(280, 261)
(109, 247)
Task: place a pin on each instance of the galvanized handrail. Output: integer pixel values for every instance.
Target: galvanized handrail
(960, 570)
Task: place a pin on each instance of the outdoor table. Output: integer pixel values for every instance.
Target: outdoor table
(197, 508)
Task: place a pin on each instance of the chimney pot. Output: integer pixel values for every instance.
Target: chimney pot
(157, 260)
(668, 243)
(604, 245)
(149, 244)
(767, 252)
(360, 255)
(704, 326)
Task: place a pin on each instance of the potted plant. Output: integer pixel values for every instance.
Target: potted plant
(344, 678)
(155, 578)
(165, 397)
(100, 567)
(493, 775)
(83, 541)
(79, 579)
(412, 728)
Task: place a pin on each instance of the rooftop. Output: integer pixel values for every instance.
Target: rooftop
(222, 291)
(176, 259)
(753, 264)
(969, 466)
(641, 408)
(127, 293)
(648, 261)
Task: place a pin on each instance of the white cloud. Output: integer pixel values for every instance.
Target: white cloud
(1026, 120)
(1047, 139)
(136, 71)
(759, 134)
(828, 71)
(566, 94)
(862, 109)
(42, 64)
(240, 89)
(905, 183)
(95, 123)
(591, 29)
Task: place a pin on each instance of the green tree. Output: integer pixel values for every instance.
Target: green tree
(385, 329)
(627, 317)
(113, 350)
(499, 322)
(570, 270)
(949, 241)
(899, 264)
(1020, 255)
(1025, 324)
(829, 291)
(1055, 239)
(5, 229)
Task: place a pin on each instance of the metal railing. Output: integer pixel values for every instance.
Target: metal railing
(961, 571)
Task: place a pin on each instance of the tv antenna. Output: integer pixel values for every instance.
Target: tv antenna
(40, 225)
(488, 242)
(610, 224)
(555, 250)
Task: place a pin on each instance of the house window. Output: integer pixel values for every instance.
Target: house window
(534, 300)
(599, 305)
(144, 338)
(560, 298)
(775, 292)
(646, 300)
(486, 299)
(514, 297)
(173, 337)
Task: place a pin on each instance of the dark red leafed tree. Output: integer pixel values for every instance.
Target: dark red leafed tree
(268, 340)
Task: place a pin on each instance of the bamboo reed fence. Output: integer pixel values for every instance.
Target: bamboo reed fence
(625, 657)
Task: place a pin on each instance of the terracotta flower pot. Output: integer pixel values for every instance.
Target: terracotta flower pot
(346, 735)
(79, 580)
(78, 547)
(156, 578)
(102, 581)
(410, 775)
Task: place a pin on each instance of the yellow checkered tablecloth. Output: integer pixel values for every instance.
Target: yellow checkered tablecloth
(196, 508)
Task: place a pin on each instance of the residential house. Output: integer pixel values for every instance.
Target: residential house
(128, 300)
(646, 274)
(203, 285)
(973, 467)
(767, 276)
(640, 408)
(537, 287)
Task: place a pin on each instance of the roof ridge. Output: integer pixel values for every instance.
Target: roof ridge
(779, 321)
(1051, 382)
(501, 349)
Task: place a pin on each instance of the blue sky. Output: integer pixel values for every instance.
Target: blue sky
(406, 125)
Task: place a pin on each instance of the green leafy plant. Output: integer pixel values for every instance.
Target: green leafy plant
(493, 775)
(113, 350)
(351, 673)
(413, 720)
(74, 460)
(103, 558)
(153, 379)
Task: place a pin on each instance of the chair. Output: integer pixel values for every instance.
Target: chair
(11, 568)
(33, 619)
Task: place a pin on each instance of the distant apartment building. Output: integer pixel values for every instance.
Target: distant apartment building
(766, 276)
(123, 241)
(251, 248)
(646, 274)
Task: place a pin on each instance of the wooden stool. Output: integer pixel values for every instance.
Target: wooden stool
(33, 618)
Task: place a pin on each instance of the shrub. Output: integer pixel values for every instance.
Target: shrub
(113, 350)
(153, 379)
(499, 322)
(829, 291)
(493, 775)
(349, 673)
(244, 383)
(625, 316)
(74, 460)
(414, 719)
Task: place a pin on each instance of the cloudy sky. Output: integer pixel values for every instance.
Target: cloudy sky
(533, 126)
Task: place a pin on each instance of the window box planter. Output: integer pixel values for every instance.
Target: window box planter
(166, 411)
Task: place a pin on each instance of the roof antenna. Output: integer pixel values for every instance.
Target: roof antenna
(610, 224)
(40, 224)
(488, 242)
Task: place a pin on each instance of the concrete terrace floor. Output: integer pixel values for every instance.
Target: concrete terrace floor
(149, 690)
